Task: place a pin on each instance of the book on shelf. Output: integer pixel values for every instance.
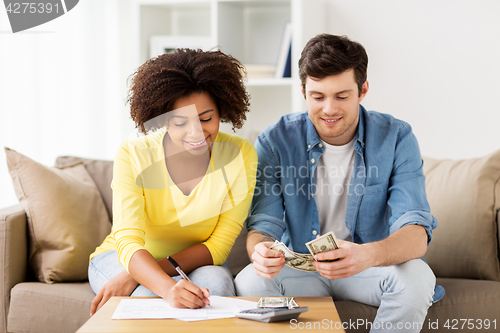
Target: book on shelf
(168, 43)
(284, 62)
(259, 71)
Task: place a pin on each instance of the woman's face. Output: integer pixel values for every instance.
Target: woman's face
(194, 123)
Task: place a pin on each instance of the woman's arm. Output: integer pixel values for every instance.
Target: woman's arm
(146, 270)
(189, 259)
(124, 284)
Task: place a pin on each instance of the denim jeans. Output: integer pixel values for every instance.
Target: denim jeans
(402, 292)
(217, 279)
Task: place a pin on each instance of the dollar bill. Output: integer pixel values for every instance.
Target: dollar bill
(327, 242)
(292, 304)
(298, 261)
(277, 302)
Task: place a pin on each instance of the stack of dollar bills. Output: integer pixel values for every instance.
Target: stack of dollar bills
(277, 302)
(301, 261)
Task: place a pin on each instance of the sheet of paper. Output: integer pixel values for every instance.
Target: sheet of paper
(223, 307)
(220, 307)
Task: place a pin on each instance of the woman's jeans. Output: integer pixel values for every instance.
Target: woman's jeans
(217, 279)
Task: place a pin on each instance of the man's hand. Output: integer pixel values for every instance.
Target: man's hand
(185, 294)
(352, 259)
(121, 285)
(406, 243)
(267, 262)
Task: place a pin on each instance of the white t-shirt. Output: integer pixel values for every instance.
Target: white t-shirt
(333, 176)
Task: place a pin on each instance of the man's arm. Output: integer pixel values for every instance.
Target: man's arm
(268, 204)
(408, 242)
(267, 262)
(266, 214)
(254, 237)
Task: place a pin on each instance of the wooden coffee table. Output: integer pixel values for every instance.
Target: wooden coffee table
(322, 315)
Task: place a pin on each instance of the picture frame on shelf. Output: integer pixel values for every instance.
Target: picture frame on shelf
(164, 44)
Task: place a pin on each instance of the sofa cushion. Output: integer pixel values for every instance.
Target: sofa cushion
(101, 172)
(40, 307)
(238, 257)
(13, 255)
(66, 217)
(464, 196)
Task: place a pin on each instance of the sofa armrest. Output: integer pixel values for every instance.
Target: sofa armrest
(13, 255)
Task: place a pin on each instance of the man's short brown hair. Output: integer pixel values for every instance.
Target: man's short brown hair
(327, 54)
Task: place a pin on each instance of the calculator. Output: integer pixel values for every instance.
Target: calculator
(270, 315)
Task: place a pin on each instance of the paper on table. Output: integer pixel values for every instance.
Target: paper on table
(157, 308)
(222, 307)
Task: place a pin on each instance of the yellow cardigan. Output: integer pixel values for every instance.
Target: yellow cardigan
(150, 212)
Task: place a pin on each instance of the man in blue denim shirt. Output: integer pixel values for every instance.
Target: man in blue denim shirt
(379, 213)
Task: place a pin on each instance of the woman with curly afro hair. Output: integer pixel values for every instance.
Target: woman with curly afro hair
(181, 189)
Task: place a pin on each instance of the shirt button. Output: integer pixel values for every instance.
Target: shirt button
(321, 145)
(315, 232)
(308, 146)
(313, 160)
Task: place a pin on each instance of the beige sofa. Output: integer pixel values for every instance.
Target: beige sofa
(464, 196)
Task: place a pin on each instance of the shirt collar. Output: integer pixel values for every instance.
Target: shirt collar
(312, 135)
(361, 126)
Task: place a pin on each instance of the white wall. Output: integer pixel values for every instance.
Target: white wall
(62, 87)
(433, 63)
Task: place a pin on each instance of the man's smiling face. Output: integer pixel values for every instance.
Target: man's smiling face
(333, 106)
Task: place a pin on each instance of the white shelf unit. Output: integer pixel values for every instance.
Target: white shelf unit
(249, 30)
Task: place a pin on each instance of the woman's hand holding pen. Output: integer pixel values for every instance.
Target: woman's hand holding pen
(184, 294)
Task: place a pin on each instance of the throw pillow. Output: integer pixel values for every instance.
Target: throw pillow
(464, 196)
(66, 216)
(101, 172)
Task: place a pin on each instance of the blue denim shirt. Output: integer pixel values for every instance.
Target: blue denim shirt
(386, 191)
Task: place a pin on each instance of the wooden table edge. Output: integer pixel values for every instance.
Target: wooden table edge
(322, 316)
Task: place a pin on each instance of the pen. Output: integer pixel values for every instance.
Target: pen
(178, 268)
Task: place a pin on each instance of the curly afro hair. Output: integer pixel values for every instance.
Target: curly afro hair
(160, 81)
